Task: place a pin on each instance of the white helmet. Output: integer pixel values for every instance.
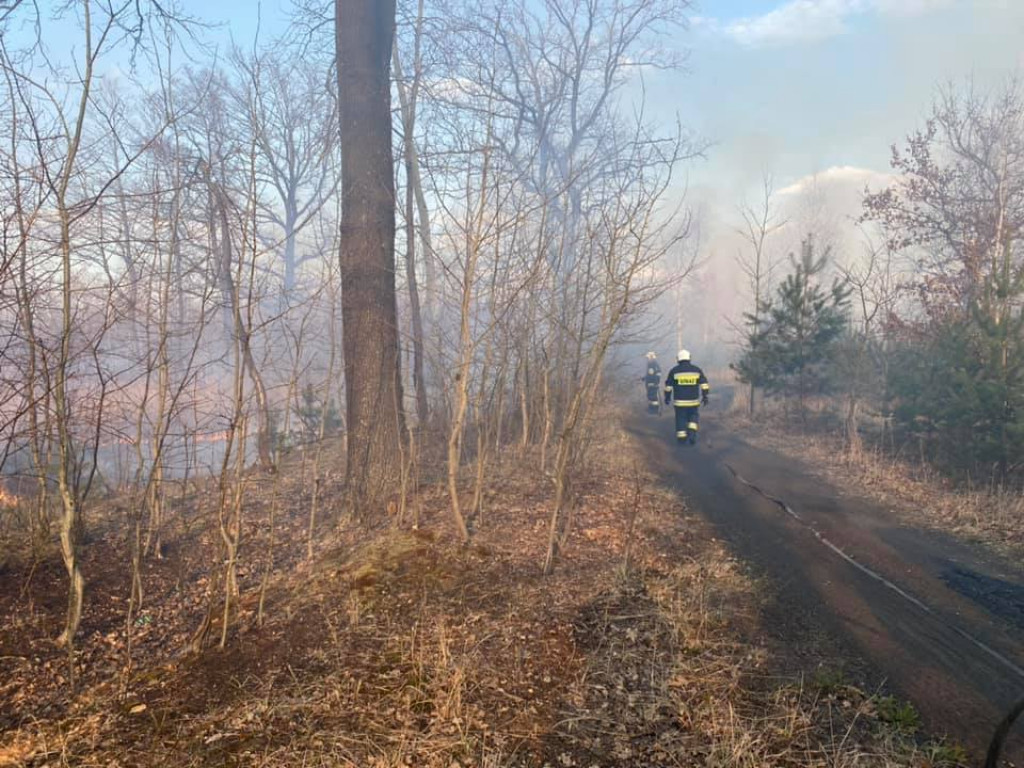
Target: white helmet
(651, 355)
(683, 356)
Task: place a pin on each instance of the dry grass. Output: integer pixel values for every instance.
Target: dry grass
(403, 648)
(676, 675)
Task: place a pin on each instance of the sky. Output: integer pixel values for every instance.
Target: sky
(798, 87)
(814, 92)
(794, 87)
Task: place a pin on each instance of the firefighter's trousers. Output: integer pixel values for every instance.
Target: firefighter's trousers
(687, 423)
(652, 397)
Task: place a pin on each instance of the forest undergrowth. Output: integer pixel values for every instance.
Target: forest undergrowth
(402, 647)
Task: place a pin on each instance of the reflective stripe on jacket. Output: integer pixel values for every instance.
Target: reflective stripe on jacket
(687, 383)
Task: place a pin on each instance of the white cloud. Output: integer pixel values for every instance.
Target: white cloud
(797, 21)
(828, 203)
(908, 7)
(794, 21)
(847, 177)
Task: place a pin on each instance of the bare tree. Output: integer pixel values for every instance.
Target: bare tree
(415, 201)
(861, 364)
(293, 117)
(760, 221)
(59, 115)
(624, 239)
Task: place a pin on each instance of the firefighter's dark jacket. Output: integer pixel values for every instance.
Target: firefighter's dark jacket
(686, 384)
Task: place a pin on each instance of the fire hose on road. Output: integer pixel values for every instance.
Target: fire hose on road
(1002, 731)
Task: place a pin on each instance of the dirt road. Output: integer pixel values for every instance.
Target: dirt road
(940, 621)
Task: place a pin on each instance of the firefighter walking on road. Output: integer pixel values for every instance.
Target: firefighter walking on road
(652, 380)
(687, 387)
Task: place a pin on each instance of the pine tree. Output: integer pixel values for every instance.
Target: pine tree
(960, 387)
(789, 351)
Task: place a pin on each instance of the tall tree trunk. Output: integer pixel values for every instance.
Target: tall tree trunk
(408, 99)
(70, 522)
(364, 34)
(70, 525)
(414, 195)
(414, 293)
